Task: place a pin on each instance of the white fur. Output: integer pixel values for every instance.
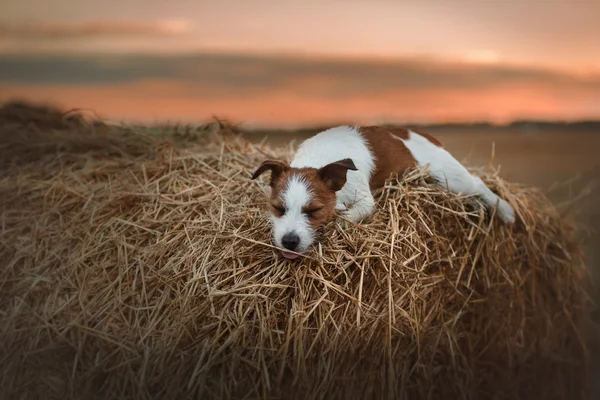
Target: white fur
(295, 196)
(334, 145)
(447, 170)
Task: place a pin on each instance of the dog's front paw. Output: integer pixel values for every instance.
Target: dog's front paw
(344, 213)
(344, 219)
(355, 214)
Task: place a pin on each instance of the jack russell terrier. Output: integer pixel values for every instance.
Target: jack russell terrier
(340, 168)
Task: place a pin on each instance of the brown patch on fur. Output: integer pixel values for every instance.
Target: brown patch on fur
(391, 155)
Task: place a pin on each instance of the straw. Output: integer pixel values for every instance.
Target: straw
(137, 265)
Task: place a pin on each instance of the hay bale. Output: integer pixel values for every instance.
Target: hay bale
(150, 275)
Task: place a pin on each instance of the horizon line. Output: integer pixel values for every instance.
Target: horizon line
(241, 126)
(215, 118)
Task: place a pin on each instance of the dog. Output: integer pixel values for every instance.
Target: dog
(338, 169)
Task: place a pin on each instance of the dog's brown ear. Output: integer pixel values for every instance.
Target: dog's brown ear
(334, 174)
(276, 168)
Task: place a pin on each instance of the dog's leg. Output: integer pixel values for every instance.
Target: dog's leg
(362, 207)
(505, 211)
(452, 174)
(459, 180)
(356, 198)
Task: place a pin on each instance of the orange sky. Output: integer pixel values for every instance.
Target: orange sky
(525, 59)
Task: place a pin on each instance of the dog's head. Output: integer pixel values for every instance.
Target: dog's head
(302, 200)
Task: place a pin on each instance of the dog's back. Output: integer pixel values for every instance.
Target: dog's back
(378, 152)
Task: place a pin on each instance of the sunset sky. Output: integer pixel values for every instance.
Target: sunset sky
(301, 62)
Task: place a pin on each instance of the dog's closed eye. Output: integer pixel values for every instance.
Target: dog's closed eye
(278, 210)
(311, 213)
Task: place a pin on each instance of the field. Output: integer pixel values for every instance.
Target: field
(135, 264)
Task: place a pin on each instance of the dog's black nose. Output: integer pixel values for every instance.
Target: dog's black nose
(290, 241)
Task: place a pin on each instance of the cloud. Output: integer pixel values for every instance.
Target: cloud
(486, 56)
(216, 75)
(285, 89)
(94, 29)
